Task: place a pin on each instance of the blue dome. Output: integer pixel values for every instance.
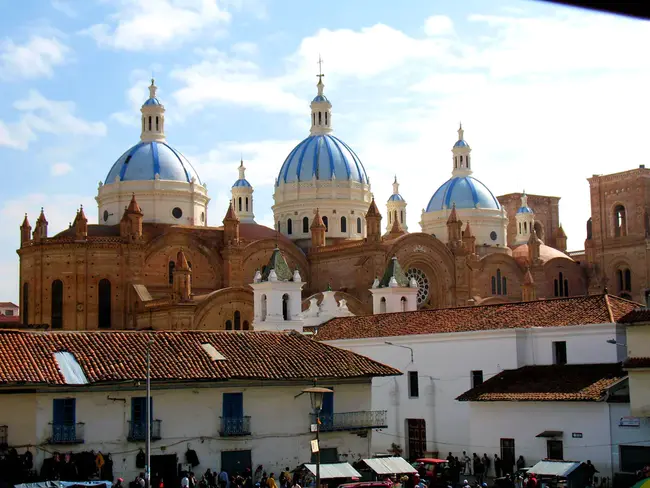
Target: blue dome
(152, 101)
(465, 192)
(322, 156)
(396, 197)
(242, 183)
(320, 98)
(146, 159)
(461, 143)
(525, 210)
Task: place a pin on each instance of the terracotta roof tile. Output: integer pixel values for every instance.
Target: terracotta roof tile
(573, 382)
(8, 304)
(178, 355)
(636, 316)
(632, 363)
(595, 309)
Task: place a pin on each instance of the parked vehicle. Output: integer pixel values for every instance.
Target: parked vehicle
(434, 471)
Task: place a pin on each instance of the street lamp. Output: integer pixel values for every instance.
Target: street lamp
(147, 472)
(613, 341)
(316, 395)
(403, 347)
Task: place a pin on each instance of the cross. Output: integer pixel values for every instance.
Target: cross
(320, 68)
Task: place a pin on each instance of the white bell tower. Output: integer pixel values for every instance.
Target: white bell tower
(525, 218)
(396, 208)
(242, 197)
(153, 117)
(461, 154)
(394, 292)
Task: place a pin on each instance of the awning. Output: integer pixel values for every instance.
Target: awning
(390, 465)
(554, 468)
(66, 484)
(550, 433)
(338, 470)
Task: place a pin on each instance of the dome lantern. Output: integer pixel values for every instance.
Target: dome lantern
(153, 117)
(396, 208)
(461, 158)
(242, 196)
(321, 108)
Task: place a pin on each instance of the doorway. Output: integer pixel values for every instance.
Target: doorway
(164, 466)
(417, 438)
(554, 450)
(508, 455)
(235, 462)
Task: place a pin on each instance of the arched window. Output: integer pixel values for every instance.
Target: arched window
(589, 229)
(170, 271)
(278, 226)
(382, 305)
(561, 286)
(289, 227)
(494, 285)
(263, 307)
(325, 118)
(237, 320)
(240, 204)
(455, 162)
(401, 216)
(57, 304)
(624, 278)
(285, 306)
(25, 310)
(358, 225)
(305, 225)
(520, 227)
(150, 122)
(499, 284)
(620, 221)
(313, 119)
(320, 118)
(157, 130)
(247, 204)
(326, 222)
(344, 224)
(461, 161)
(403, 304)
(104, 308)
(525, 227)
(246, 326)
(628, 280)
(228, 325)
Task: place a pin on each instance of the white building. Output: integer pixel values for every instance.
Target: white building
(234, 398)
(443, 353)
(9, 309)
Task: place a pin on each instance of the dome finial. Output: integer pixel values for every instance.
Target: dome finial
(320, 75)
(242, 169)
(395, 186)
(152, 88)
(461, 132)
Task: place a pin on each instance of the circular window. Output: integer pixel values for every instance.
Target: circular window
(105, 215)
(177, 212)
(423, 284)
(202, 217)
(493, 236)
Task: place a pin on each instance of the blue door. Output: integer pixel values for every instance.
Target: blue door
(327, 411)
(64, 420)
(138, 425)
(232, 421)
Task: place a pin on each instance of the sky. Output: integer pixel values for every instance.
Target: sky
(547, 95)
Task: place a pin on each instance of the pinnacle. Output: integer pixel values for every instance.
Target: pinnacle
(318, 221)
(133, 206)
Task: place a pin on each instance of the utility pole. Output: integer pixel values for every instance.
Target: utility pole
(147, 473)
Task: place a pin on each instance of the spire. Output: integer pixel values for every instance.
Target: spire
(528, 291)
(25, 223)
(395, 186)
(461, 132)
(242, 170)
(133, 206)
(468, 231)
(231, 226)
(40, 230)
(181, 261)
(25, 231)
(153, 117)
(318, 221)
(230, 214)
(41, 218)
(373, 211)
(321, 108)
(81, 224)
(453, 217)
(528, 277)
(524, 199)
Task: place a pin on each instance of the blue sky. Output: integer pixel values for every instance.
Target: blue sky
(547, 95)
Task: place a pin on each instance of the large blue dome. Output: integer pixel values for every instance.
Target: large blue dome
(322, 156)
(146, 159)
(465, 192)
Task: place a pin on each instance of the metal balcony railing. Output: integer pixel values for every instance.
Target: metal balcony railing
(67, 433)
(4, 436)
(365, 419)
(138, 431)
(235, 426)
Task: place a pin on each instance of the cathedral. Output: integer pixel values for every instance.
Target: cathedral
(156, 261)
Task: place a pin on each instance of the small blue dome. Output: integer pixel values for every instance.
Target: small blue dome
(242, 183)
(320, 98)
(152, 101)
(322, 156)
(525, 210)
(465, 192)
(396, 197)
(461, 143)
(146, 159)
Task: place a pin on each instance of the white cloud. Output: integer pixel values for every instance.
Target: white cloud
(60, 169)
(40, 115)
(156, 24)
(36, 58)
(438, 25)
(64, 7)
(245, 48)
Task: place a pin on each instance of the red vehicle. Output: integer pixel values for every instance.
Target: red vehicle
(432, 470)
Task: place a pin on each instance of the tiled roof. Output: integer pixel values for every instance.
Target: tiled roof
(27, 356)
(632, 363)
(9, 319)
(8, 304)
(573, 382)
(595, 309)
(636, 316)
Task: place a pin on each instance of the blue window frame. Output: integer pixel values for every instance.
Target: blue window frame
(64, 411)
(233, 405)
(138, 406)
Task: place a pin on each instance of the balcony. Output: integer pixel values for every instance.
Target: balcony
(235, 426)
(138, 431)
(348, 421)
(67, 433)
(4, 437)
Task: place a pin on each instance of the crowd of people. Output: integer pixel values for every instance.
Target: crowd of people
(483, 466)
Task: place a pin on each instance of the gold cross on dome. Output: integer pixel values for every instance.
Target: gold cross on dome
(320, 68)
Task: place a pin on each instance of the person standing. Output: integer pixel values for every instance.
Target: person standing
(467, 462)
(486, 464)
(497, 466)
(270, 482)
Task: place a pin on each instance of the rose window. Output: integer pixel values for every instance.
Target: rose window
(423, 284)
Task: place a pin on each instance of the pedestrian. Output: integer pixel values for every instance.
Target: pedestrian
(497, 466)
(185, 481)
(450, 458)
(118, 484)
(521, 463)
(467, 462)
(270, 482)
(591, 471)
(223, 479)
(486, 463)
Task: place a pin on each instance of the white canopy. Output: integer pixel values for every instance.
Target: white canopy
(338, 470)
(390, 465)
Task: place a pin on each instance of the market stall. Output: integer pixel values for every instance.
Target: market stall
(334, 474)
(388, 466)
(561, 474)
